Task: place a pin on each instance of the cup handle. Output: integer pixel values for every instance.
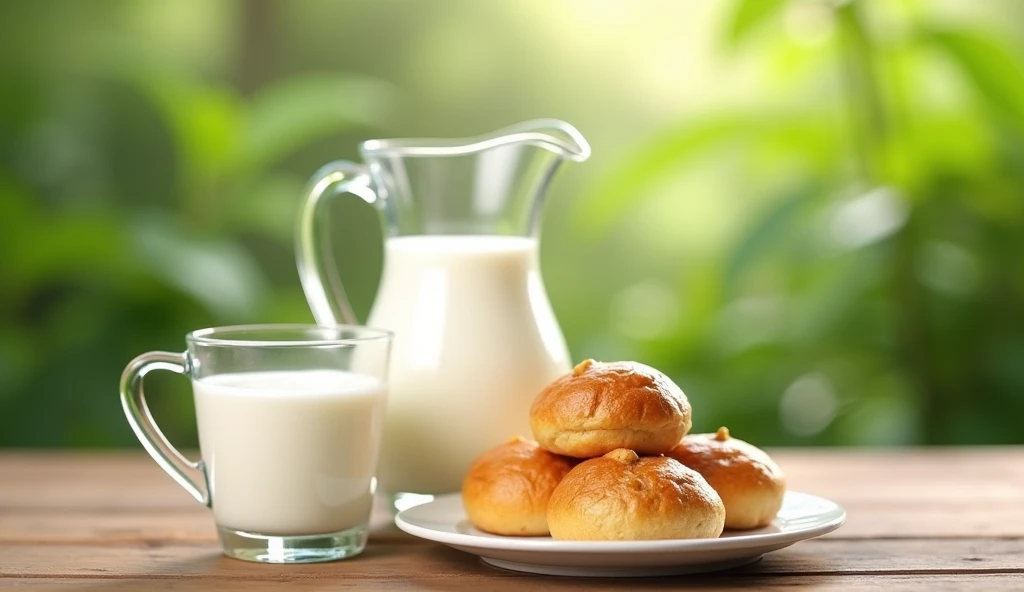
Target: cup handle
(315, 261)
(134, 402)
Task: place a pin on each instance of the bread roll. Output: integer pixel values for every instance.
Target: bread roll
(621, 496)
(749, 482)
(600, 407)
(507, 488)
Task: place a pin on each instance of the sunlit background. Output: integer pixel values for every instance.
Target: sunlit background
(809, 213)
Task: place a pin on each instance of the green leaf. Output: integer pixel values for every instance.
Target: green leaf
(835, 290)
(651, 163)
(39, 248)
(297, 111)
(216, 272)
(994, 68)
(747, 16)
(203, 119)
(267, 206)
(805, 138)
(776, 225)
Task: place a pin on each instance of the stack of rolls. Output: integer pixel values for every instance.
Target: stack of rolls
(612, 461)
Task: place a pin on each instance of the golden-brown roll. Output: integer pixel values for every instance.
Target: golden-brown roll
(507, 488)
(749, 482)
(621, 496)
(600, 407)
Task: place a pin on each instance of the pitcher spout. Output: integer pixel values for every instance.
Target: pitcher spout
(493, 184)
(553, 135)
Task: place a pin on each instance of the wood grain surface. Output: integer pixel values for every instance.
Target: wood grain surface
(917, 520)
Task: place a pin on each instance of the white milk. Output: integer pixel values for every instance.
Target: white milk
(290, 452)
(475, 341)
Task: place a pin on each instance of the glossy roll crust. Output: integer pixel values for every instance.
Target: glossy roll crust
(621, 496)
(507, 488)
(749, 482)
(600, 407)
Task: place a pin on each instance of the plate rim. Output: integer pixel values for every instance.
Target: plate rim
(546, 544)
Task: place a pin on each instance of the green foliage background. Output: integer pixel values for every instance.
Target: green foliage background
(809, 213)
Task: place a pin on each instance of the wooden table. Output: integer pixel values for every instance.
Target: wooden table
(918, 519)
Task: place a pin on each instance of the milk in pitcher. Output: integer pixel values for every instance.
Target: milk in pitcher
(475, 341)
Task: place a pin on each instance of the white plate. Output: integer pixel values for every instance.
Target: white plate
(443, 520)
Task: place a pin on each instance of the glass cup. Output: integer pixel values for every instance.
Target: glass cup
(290, 420)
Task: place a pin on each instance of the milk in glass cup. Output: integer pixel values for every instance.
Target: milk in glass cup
(290, 420)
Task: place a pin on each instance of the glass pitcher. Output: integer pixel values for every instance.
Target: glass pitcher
(475, 336)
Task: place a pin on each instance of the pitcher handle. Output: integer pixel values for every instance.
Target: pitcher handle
(315, 258)
(133, 401)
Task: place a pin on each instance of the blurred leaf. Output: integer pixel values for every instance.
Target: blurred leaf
(775, 225)
(39, 248)
(802, 138)
(994, 68)
(885, 413)
(288, 306)
(297, 111)
(218, 273)
(267, 205)
(1003, 361)
(866, 219)
(16, 206)
(204, 119)
(649, 163)
(833, 291)
(18, 359)
(748, 15)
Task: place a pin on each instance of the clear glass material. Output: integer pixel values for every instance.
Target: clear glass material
(290, 420)
(475, 336)
(491, 185)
